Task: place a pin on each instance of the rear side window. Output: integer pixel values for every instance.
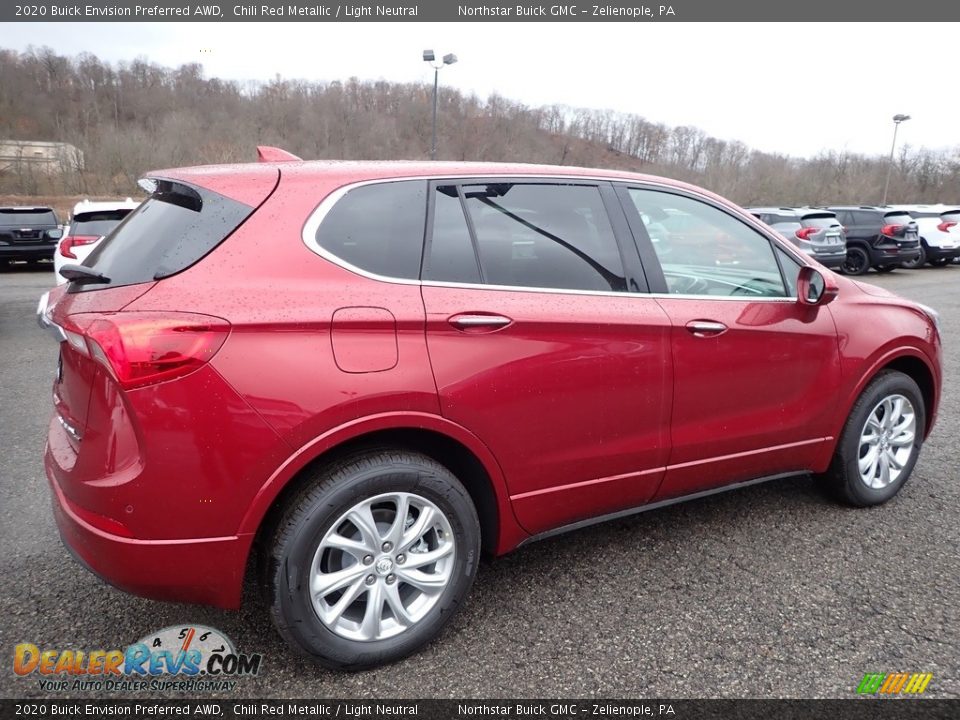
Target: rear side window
(378, 228)
(40, 216)
(173, 229)
(866, 218)
(97, 223)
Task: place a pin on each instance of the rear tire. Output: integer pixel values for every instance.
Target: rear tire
(857, 262)
(880, 442)
(348, 578)
(940, 262)
(919, 261)
(883, 269)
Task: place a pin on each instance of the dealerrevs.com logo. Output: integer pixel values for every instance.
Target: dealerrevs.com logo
(179, 658)
(894, 683)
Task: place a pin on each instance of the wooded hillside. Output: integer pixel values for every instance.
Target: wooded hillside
(135, 116)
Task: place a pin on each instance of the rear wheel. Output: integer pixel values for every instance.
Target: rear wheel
(886, 268)
(940, 262)
(857, 262)
(880, 442)
(918, 261)
(372, 559)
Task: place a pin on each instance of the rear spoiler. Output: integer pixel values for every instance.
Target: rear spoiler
(266, 153)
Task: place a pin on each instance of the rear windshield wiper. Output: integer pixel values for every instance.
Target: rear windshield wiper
(82, 275)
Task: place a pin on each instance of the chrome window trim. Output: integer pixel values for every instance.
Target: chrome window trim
(313, 222)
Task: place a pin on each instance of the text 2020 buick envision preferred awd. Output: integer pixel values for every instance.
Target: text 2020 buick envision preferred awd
(364, 375)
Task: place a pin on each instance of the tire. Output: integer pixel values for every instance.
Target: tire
(844, 479)
(940, 262)
(857, 262)
(882, 269)
(917, 262)
(310, 543)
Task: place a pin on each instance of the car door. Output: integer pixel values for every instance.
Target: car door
(542, 346)
(753, 369)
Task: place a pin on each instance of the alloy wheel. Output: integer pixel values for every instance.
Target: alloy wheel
(887, 441)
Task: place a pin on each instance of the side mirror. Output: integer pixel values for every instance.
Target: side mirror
(55, 234)
(814, 288)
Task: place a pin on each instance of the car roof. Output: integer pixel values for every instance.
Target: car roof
(85, 206)
(777, 210)
(26, 208)
(346, 172)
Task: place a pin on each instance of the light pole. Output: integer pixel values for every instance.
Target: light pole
(897, 119)
(431, 60)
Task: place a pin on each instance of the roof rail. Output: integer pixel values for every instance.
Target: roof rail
(267, 153)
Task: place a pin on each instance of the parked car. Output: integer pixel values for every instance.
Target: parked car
(28, 233)
(91, 221)
(814, 231)
(877, 237)
(436, 360)
(939, 234)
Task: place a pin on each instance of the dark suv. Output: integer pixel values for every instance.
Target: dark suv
(815, 231)
(877, 237)
(28, 233)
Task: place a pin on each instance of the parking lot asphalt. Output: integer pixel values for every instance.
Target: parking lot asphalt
(771, 591)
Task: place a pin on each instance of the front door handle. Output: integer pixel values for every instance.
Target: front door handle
(706, 328)
(479, 322)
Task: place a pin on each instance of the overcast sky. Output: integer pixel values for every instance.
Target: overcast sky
(792, 88)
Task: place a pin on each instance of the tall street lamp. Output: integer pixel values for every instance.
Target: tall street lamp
(431, 60)
(897, 119)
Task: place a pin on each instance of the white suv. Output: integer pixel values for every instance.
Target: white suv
(89, 222)
(939, 233)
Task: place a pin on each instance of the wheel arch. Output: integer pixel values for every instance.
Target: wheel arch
(447, 443)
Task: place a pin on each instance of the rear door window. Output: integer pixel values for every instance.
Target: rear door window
(173, 229)
(544, 235)
(866, 218)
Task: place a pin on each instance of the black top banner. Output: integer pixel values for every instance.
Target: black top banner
(481, 10)
(240, 709)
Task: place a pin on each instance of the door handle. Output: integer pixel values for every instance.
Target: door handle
(706, 328)
(467, 322)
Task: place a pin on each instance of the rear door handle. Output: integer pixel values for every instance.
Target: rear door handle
(706, 328)
(480, 322)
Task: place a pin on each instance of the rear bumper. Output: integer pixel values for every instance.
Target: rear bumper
(208, 571)
(832, 260)
(938, 253)
(27, 252)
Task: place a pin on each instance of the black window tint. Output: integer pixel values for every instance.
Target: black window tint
(97, 223)
(820, 221)
(378, 228)
(452, 258)
(545, 236)
(705, 251)
(40, 216)
(174, 228)
(845, 217)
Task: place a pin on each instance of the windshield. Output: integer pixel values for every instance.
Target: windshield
(97, 223)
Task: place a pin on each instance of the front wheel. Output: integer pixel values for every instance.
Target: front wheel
(880, 442)
(857, 262)
(372, 559)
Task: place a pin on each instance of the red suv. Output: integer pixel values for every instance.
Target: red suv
(354, 378)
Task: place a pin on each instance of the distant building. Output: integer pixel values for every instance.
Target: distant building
(18, 156)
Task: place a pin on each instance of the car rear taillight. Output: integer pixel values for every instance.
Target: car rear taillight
(142, 348)
(890, 229)
(71, 241)
(805, 233)
(945, 226)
